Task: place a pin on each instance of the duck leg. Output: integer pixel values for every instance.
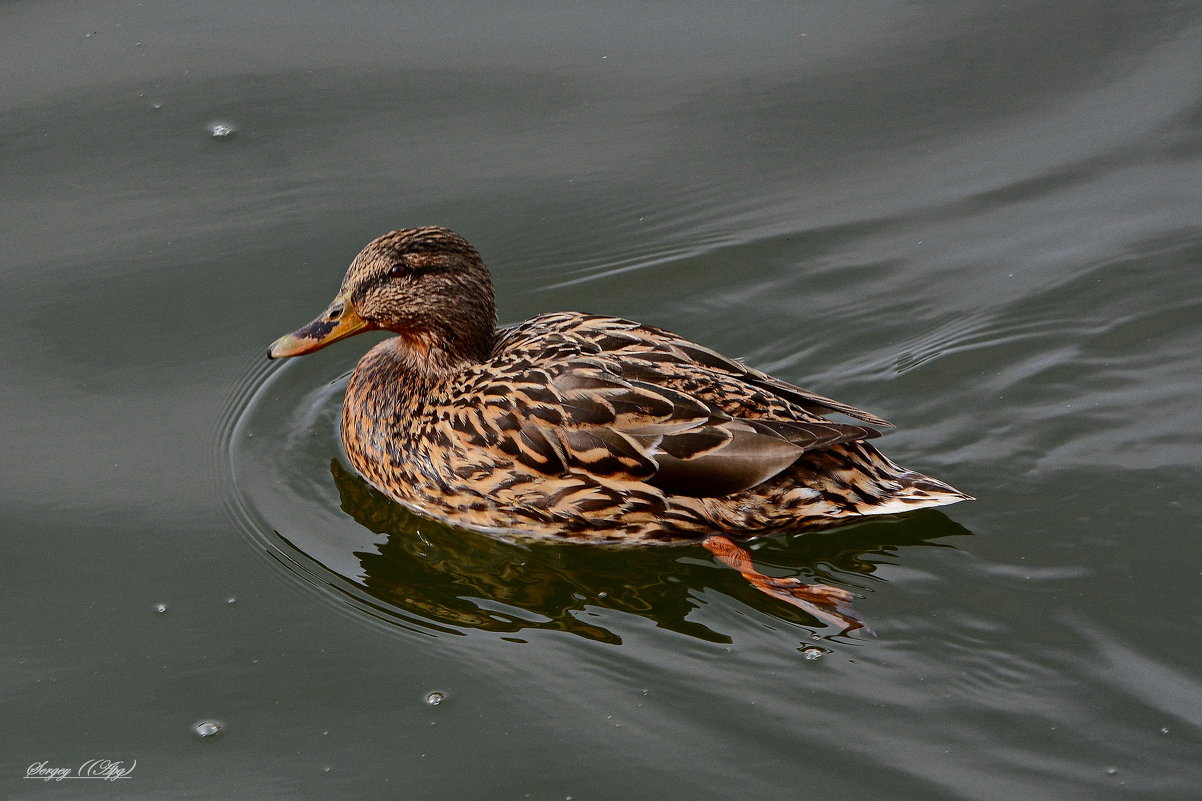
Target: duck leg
(824, 602)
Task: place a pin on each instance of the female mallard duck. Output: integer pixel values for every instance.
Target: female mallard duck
(589, 428)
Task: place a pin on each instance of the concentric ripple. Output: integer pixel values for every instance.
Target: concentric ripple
(292, 492)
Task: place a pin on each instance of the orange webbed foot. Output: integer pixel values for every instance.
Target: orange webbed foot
(830, 604)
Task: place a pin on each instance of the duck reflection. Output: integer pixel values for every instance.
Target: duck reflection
(452, 579)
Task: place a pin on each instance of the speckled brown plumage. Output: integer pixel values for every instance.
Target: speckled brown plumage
(581, 426)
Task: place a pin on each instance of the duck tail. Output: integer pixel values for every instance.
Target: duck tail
(916, 491)
(854, 479)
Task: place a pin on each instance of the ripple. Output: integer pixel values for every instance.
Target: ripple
(289, 489)
(208, 728)
(221, 130)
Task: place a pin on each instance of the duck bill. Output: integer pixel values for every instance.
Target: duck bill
(338, 321)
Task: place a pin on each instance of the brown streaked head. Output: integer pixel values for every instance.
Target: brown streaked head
(426, 284)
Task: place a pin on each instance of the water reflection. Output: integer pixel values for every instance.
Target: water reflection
(449, 580)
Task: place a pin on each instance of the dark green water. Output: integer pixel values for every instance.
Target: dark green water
(980, 221)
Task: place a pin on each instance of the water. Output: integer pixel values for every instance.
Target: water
(980, 222)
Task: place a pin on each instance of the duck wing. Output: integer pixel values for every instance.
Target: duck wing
(623, 402)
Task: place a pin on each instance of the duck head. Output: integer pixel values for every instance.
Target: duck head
(427, 285)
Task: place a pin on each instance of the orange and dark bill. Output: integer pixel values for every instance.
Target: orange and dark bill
(338, 321)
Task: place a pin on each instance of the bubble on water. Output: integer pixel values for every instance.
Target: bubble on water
(435, 698)
(1164, 729)
(160, 608)
(812, 652)
(208, 728)
(156, 106)
(1111, 771)
(221, 130)
(231, 600)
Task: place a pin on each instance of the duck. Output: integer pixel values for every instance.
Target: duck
(589, 428)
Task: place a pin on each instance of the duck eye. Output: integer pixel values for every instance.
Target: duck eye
(398, 269)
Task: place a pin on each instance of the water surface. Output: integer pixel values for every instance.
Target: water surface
(980, 222)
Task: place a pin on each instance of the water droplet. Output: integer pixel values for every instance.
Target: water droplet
(208, 728)
(435, 698)
(160, 608)
(221, 130)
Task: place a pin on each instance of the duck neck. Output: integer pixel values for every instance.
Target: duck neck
(385, 404)
(401, 371)
(388, 394)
